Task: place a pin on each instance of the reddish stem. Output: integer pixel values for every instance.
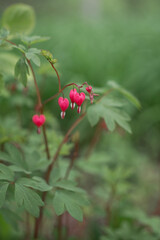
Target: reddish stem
(49, 170)
(59, 81)
(70, 84)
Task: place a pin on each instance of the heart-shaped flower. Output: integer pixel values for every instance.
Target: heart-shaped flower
(63, 103)
(79, 99)
(72, 95)
(89, 89)
(38, 120)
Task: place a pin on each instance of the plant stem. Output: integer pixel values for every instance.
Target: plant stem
(28, 229)
(94, 140)
(70, 84)
(41, 109)
(60, 237)
(49, 170)
(61, 145)
(73, 158)
(36, 85)
(59, 81)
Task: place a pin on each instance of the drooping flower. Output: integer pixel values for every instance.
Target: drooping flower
(72, 95)
(89, 89)
(79, 99)
(63, 103)
(38, 121)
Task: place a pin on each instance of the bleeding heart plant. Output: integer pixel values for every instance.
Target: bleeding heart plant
(64, 104)
(72, 94)
(38, 121)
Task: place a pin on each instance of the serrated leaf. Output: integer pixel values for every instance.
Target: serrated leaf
(14, 157)
(28, 198)
(92, 115)
(109, 122)
(6, 173)
(75, 211)
(111, 112)
(126, 93)
(18, 169)
(58, 204)
(69, 185)
(29, 40)
(21, 48)
(3, 190)
(21, 71)
(70, 201)
(77, 198)
(35, 59)
(34, 50)
(36, 183)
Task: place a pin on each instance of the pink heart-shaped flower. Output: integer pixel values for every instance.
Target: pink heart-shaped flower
(38, 120)
(89, 89)
(79, 98)
(72, 94)
(63, 103)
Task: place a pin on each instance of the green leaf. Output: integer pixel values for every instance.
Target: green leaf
(14, 157)
(21, 48)
(35, 59)
(70, 201)
(58, 204)
(21, 71)
(3, 190)
(92, 115)
(31, 54)
(77, 198)
(34, 161)
(1, 83)
(75, 211)
(69, 185)
(126, 93)
(6, 173)
(19, 18)
(29, 40)
(28, 198)
(18, 169)
(111, 112)
(36, 183)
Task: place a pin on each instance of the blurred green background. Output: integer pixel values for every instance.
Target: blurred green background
(97, 41)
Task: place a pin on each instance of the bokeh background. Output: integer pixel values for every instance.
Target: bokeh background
(101, 40)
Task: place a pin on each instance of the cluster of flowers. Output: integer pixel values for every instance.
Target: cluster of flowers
(75, 97)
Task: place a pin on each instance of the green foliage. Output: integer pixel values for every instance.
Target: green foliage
(30, 40)
(124, 92)
(31, 54)
(128, 232)
(69, 198)
(1, 83)
(19, 18)
(28, 198)
(6, 173)
(35, 183)
(110, 110)
(3, 190)
(14, 156)
(21, 71)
